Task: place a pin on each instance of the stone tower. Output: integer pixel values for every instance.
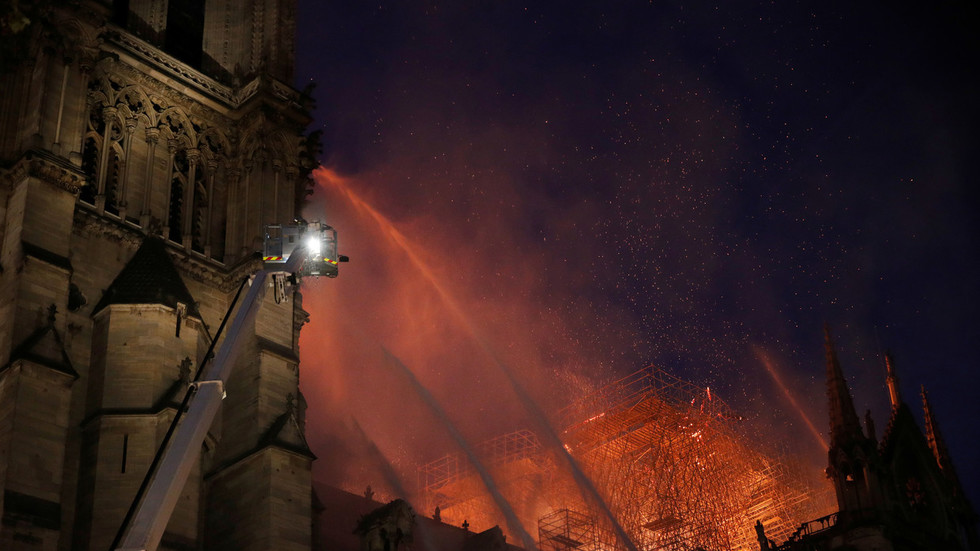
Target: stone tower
(143, 146)
(852, 459)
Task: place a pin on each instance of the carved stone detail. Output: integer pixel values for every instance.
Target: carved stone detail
(137, 98)
(53, 173)
(88, 223)
(158, 57)
(231, 97)
(203, 270)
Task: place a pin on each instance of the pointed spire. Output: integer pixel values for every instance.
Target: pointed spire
(892, 381)
(938, 446)
(935, 438)
(844, 423)
(869, 425)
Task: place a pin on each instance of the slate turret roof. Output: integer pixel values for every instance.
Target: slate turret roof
(150, 277)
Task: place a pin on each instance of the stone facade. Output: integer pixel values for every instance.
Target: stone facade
(143, 146)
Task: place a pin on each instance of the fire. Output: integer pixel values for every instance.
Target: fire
(667, 456)
(677, 475)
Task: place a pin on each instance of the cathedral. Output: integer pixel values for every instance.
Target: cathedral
(899, 493)
(144, 145)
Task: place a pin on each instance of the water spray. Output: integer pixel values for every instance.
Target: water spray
(590, 493)
(512, 520)
(771, 369)
(390, 476)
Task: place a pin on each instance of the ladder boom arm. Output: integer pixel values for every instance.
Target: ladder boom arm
(154, 511)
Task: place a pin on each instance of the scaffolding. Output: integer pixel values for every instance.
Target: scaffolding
(666, 456)
(672, 465)
(566, 530)
(516, 464)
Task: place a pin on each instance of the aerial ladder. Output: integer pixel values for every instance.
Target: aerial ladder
(304, 249)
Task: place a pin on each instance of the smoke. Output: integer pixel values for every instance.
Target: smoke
(391, 295)
(573, 276)
(604, 189)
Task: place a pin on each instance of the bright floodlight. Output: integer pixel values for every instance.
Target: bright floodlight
(313, 245)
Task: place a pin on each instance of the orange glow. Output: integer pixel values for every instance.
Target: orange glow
(421, 293)
(425, 293)
(407, 248)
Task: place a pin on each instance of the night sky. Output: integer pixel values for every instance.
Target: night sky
(587, 188)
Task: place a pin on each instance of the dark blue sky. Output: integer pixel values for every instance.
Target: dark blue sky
(683, 183)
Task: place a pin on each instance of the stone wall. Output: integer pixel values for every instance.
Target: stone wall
(90, 134)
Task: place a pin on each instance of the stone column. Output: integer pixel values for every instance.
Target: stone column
(276, 172)
(172, 149)
(152, 137)
(245, 207)
(61, 103)
(193, 156)
(212, 169)
(232, 181)
(109, 118)
(78, 111)
(124, 178)
(291, 174)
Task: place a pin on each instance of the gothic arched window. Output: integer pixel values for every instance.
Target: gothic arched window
(177, 196)
(113, 176)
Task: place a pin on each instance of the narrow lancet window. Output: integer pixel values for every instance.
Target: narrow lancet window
(125, 452)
